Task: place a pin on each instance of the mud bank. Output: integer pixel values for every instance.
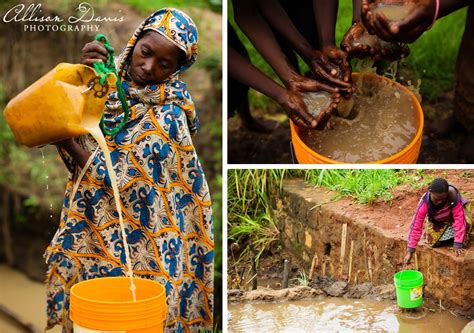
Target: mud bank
(312, 227)
(315, 290)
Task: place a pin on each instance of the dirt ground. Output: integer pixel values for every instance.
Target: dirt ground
(245, 146)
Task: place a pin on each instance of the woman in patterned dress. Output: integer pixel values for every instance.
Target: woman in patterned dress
(165, 200)
(449, 218)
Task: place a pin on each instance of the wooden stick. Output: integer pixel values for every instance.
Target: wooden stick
(286, 273)
(366, 258)
(356, 276)
(314, 263)
(416, 261)
(343, 247)
(350, 261)
(252, 278)
(324, 266)
(370, 269)
(254, 269)
(343, 241)
(333, 271)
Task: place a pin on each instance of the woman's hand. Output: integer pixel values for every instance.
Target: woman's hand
(405, 30)
(93, 52)
(407, 258)
(357, 42)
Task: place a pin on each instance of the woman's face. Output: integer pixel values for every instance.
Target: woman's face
(154, 59)
(438, 198)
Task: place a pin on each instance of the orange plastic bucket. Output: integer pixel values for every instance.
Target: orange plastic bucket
(407, 155)
(106, 305)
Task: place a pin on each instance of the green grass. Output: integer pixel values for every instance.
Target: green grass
(300, 280)
(366, 186)
(432, 57)
(250, 223)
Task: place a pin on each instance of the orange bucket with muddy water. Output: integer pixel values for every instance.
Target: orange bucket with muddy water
(106, 305)
(408, 155)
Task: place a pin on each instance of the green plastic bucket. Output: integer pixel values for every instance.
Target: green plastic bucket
(409, 289)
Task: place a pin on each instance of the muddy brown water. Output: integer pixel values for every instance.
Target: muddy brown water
(382, 122)
(317, 102)
(338, 315)
(395, 12)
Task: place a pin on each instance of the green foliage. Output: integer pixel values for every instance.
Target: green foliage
(466, 174)
(365, 186)
(250, 223)
(301, 280)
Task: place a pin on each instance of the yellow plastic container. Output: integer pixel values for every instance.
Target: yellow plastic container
(106, 305)
(58, 106)
(407, 155)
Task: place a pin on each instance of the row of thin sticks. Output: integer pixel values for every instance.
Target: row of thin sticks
(368, 263)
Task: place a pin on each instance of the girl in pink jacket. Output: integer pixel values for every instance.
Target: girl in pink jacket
(449, 217)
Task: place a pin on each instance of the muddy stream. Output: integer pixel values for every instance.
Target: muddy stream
(339, 315)
(25, 298)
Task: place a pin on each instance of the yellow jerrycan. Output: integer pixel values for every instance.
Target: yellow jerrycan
(60, 105)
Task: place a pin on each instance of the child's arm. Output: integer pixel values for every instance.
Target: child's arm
(416, 227)
(243, 71)
(459, 225)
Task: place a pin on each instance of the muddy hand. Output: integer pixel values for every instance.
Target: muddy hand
(93, 52)
(405, 30)
(349, 42)
(302, 84)
(331, 65)
(407, 258)
(357, 42)
(458, 252)
(296, 109)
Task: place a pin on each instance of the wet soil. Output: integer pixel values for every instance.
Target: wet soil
(245, 146)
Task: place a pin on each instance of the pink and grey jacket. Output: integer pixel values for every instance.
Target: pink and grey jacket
(452, 210)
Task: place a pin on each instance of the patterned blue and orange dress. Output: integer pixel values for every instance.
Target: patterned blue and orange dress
(164, 196)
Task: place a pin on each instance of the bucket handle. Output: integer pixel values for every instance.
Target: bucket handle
(103, 70)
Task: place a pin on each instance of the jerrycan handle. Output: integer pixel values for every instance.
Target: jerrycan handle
(103, 70)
